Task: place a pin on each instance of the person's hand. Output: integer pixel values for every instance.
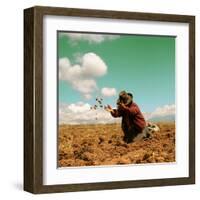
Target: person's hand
(108, 108)
(122, 106)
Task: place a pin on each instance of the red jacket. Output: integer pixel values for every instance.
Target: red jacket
(131, 117)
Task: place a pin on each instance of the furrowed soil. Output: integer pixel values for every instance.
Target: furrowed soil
(89, 145)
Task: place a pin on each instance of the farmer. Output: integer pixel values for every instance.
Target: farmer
(133, 121)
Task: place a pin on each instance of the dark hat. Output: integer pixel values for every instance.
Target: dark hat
(125, 98)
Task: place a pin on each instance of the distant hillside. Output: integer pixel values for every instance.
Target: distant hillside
(168, 118)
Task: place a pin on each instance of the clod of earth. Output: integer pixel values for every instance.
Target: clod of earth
(87, 145)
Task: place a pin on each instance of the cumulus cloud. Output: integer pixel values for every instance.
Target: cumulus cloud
(79, 107)
(90, 38)
(93, 65)
(87, 96)
(108, 92)
(80, 113)
(163, 111)
(82, 76)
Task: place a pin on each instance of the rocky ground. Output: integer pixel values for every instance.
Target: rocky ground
(89, 145)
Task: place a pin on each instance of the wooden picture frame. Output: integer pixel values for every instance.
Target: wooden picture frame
(33, 99)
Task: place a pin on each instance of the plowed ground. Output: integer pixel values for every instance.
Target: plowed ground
(89, 145)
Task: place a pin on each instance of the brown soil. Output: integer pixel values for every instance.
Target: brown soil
(89, 145)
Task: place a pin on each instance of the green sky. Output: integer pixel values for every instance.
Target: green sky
(142, 65)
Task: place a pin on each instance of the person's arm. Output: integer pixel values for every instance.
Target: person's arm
(126, 109)
(113, 112)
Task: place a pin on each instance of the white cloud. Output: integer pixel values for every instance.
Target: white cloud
(80, 107)
(80, 113)
(87, 96)
(82, 76)
(93, 65)
(77, 57)
(108, 92)
(163, 111)
(85, 86)
(90, 38)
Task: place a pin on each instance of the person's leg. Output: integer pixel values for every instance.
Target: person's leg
(129, 135)
(130, 139)
(132, 134)
(126, 136)
(125, 139)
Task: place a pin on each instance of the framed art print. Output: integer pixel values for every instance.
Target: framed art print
(109, 99)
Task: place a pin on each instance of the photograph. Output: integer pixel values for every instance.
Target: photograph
(116, 99)
(109, 99)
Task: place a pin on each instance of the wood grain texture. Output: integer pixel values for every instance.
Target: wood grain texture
(192, 99)
(33, 98)
(28, 101)
(113, 14)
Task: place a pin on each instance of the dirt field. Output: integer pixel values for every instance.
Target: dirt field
(87, 145)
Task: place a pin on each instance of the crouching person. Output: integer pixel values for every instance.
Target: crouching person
(133, 121)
